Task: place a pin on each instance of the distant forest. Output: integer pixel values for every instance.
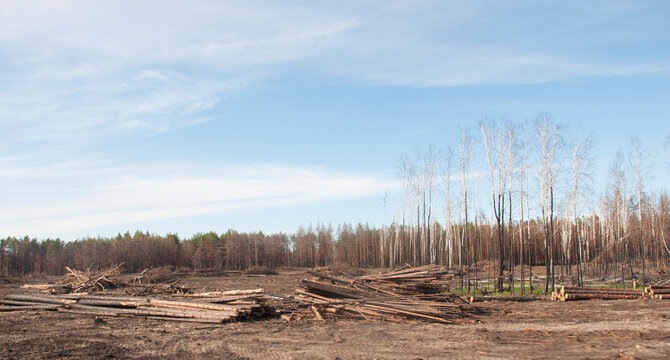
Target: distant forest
(573, 230)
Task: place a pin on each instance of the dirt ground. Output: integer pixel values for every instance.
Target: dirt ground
(595, 329)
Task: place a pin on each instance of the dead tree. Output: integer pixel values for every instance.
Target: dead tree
(449, 234)
(548, 139)
(581, 165)
(638, 167)
(498, 140)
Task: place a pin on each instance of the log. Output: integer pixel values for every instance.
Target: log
(227, 299)
(164, 308)
(39, 286)
(30, 307)
(506, 298)
(20, 303)
(184, 304)
(188, 313)
(317, 313)
(572, 297)
(660, 291)
(201, 321)
(332, 289)
(599, 292)
(224, 293)
(574, 289)
(151, 311)
(112, 303)
(39, 299)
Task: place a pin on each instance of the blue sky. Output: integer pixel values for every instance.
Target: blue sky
(261, 115)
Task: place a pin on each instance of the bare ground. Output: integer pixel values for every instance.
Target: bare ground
(595, 329)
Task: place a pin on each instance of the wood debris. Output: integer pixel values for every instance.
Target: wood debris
(384, 296)
(89, 281)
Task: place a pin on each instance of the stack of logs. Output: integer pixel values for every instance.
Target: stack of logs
(571, 293)
(428, 279)
(658, 292)
(215, 307)
(405, 294)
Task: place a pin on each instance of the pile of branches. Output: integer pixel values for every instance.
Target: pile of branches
(76, 281)
(379, 298)
(207, 308)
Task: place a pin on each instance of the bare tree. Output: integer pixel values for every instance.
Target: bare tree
(465, 149)
(498, 140)
(581, 165)
(449, 234)
(431, 161)
(616, 209)
(548, 139)
(638, 166)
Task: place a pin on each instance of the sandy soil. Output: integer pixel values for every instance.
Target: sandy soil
(595, 329)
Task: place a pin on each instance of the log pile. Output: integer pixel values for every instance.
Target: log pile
(379, 297)
(428, 279)
(572, 293)
(234, 297)
(207, 310)
(658, 292)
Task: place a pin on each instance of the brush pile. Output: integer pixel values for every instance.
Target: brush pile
(403, 294)
(76, 281)
(219, 307)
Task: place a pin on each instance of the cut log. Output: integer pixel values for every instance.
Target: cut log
(30, 307)
(39, 299)
(317, 313)
(507, 298)
(572, 297)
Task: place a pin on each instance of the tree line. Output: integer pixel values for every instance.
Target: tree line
(533, 204)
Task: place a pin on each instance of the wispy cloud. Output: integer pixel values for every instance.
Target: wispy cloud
(73, 67)
(88, 197)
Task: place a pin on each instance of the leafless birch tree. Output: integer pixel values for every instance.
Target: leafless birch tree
(548, 139)
(498, 140)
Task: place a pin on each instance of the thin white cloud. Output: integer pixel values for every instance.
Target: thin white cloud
(90, 197)
(77, 67)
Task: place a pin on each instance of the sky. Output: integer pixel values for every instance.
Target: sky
(186, 117)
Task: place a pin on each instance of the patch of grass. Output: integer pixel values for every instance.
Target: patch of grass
(489, 290)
